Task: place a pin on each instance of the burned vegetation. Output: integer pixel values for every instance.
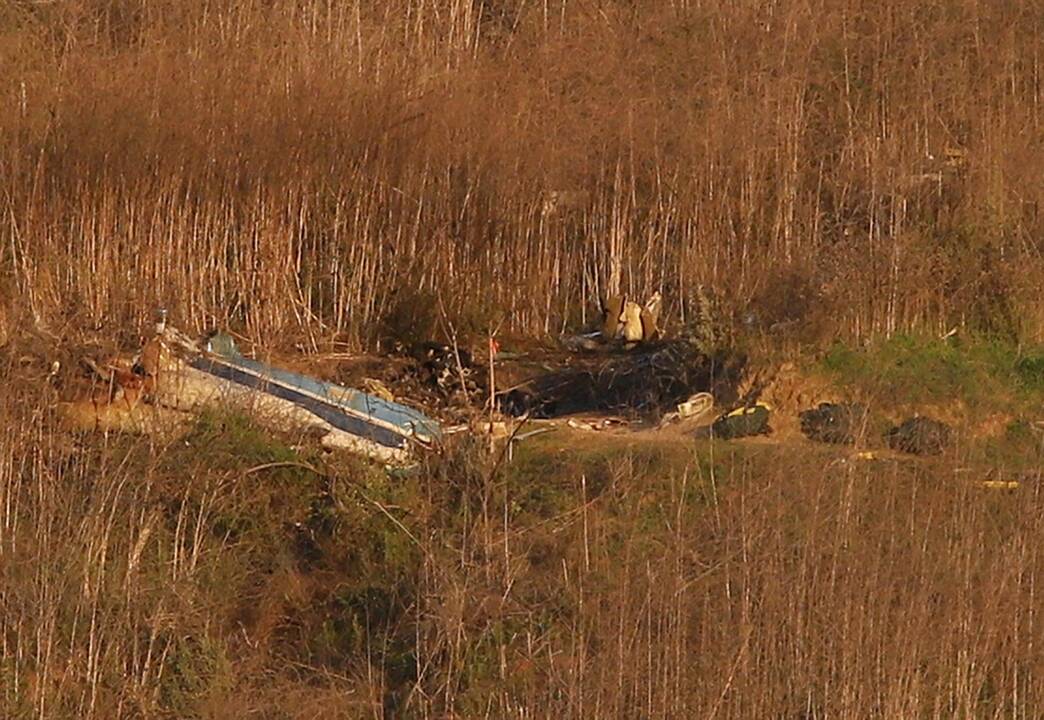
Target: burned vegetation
(642, 382)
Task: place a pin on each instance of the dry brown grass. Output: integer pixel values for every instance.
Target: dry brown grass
(298, 169)
(623, 579)
(308, 172)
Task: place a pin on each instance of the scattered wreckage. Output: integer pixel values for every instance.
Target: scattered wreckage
(623, 321)
(845, 423)
(748, 420)
(834, 423)
(633, 372)
(173, 375)
(645, 382)
(627, 372)
(628, 367)
(920, 435)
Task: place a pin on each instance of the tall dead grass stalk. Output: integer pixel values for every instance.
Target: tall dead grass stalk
(296, 170)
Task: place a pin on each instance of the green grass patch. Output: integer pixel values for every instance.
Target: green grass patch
(197, 668)
(1019, 448)
(549, 474)
(1029, 371)
(231, 440)
(983, 373)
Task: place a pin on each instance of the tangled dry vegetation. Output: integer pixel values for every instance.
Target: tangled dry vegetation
(300, 170)
(233, 574)
(324, 176)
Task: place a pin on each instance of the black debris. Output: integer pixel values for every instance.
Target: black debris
(445, 369)
(645, 381)
(747, 421)
(920, 436)
(836, 423)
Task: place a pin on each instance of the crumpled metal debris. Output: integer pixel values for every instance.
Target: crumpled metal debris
(698, 407)
(624, 319)
(174, 373)
(596, 425)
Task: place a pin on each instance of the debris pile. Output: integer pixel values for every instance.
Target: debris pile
(920, 436)
(174, 373)
(649, 380)
(835, 423)
(626, 320)
(624, 372)
(694, 410)
(446, 369)
(744, 421)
